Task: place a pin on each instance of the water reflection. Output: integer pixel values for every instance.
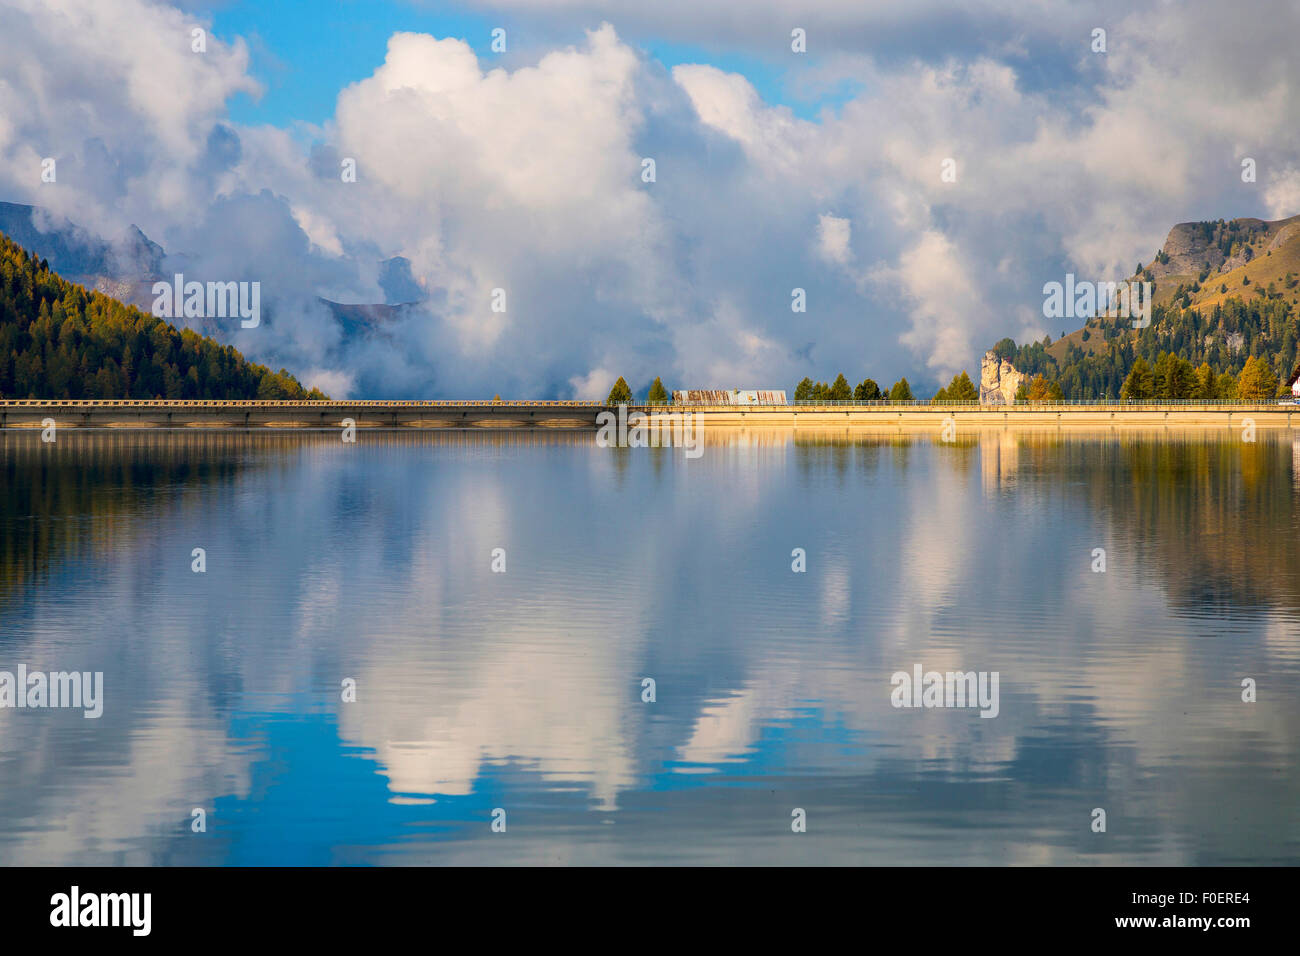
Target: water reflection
(523, 690)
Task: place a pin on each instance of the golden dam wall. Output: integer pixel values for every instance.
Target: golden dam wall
(33, 413)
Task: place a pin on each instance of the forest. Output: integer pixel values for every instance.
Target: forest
(59, 340)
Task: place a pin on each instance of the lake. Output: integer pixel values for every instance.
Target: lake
(519, 647)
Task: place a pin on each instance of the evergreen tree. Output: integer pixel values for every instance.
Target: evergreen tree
(962, 389)
(1140, 384)
(1203, 385)
(901, 392)
(59, 340)
(1225, 387)
(840, 390)
(803, 391)
(867, 391)
(657, 395)
(620, 394)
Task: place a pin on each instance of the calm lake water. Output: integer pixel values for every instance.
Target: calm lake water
(523, 690)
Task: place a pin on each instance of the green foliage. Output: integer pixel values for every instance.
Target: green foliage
(658, 395)
(867, 391)
(1173, 377)
(1141, 383)
(960, 389)
(1006, 350)
(901, 392)
(1225, 388)
(58, 340)
(810, 391)
(1203, 385)
(1222, 336)
(620, 394)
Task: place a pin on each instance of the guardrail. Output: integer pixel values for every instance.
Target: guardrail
(280, 403)
(669, 407)
(1109, 405)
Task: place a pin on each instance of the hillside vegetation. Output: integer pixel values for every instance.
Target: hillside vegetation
(1226, 294)
(58, 340)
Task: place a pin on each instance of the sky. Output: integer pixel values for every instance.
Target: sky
(514, 181)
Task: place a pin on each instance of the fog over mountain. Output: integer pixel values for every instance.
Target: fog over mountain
(523, 171)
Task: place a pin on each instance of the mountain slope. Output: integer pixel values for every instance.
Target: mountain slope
(59, 340)
(1224, 291)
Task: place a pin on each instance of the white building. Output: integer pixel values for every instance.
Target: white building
(736, 396)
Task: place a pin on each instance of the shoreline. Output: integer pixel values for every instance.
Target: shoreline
(23, 414)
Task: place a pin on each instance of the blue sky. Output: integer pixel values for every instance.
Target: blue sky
(304, 52)
(522, 172)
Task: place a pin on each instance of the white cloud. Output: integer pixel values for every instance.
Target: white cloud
(833, 238)
(527, 178)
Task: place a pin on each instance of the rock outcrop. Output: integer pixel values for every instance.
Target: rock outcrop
(999, 380)
(1193, 247)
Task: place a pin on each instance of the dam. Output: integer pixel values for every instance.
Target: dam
(404, 414)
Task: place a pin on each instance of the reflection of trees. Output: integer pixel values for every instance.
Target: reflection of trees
(1211, 515)
(815, 452)
(863, 450)
(82, 495)
(78, 496)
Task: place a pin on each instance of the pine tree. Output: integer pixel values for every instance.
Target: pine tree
(962, 389)
(867, 391)
(59, 340)
(1140, 384)
(1203, 385)
(657, 395)
(620, 394)
(901, 392)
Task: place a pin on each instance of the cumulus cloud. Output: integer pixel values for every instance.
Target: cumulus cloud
(527, 180)
(833, 238)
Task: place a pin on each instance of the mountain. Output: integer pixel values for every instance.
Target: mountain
(127, 267)
(1224, 292)
(61, 340)
(124, 268)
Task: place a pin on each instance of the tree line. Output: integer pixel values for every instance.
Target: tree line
(960, 390)
(59, 340)
(1185, 353)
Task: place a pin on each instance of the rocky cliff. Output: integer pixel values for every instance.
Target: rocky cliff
(1194, 247)
(999, 380)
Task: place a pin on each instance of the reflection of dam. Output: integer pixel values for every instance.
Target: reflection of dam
(164, 413)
